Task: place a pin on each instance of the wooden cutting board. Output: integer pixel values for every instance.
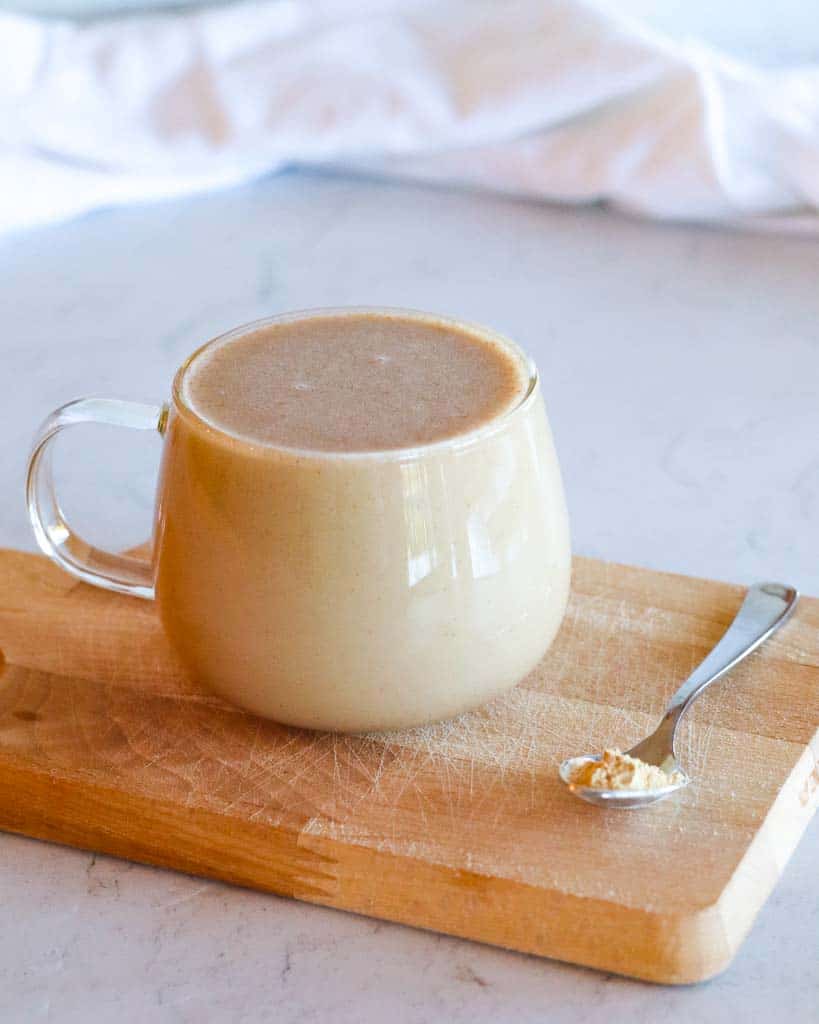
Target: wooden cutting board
(461, 827)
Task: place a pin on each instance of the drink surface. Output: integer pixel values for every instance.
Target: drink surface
(354, 382)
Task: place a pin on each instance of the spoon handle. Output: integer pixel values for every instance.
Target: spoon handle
(766, 607)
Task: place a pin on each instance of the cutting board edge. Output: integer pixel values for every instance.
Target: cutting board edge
(671, 948)
(774, 843)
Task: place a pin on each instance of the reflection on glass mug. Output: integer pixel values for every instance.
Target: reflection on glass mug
(360, 521)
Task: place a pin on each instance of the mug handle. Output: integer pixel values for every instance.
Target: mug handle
(122, 573)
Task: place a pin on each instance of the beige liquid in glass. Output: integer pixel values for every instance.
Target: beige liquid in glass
(362, 382)
(361, 521)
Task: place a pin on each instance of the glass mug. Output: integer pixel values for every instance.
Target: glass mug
(339, 590)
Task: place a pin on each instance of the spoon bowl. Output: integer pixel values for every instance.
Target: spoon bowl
(623, 799)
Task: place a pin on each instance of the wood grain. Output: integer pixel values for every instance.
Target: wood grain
(462, 827)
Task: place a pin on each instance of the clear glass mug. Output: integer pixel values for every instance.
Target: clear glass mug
(339, 590)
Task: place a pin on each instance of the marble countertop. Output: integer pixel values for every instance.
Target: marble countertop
(681, 372)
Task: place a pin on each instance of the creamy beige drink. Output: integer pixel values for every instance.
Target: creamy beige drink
(356, 382)
(361, 522)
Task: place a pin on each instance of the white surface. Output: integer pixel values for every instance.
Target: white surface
(681, 369)
(757, 30)
(560, 99)
(762, 32)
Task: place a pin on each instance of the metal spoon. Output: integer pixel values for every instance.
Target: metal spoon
(766, 607)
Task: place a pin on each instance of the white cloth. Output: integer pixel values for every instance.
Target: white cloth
(557, 99)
